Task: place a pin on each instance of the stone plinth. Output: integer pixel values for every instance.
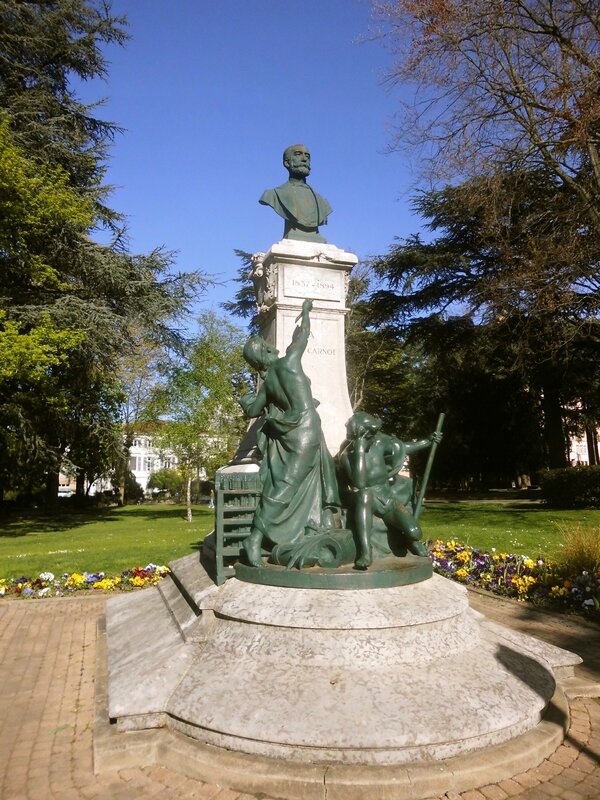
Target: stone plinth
(391, 677)
(284, 277)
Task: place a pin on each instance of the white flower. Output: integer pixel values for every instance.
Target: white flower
(46, 576)
(43, 592)
(588, 602)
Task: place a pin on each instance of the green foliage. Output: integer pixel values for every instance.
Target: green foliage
(508, 84)
(44, 45)
(520, 258)
(501, 307)
(68, 307)
(506, 105)
(39, 206)
(202, 419)
(30, 355)
(133, 491)
(575, 487)
(168, 480)
(244, 304)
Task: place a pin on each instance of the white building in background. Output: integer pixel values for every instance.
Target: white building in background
(579, 454)
(145, 458)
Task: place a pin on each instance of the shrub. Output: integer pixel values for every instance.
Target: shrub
(573, 487)
(167, 480)
(581, 550)
(134, 491)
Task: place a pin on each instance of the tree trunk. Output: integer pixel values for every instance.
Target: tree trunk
(128, 434)
(80, 484)
(51, 492)
(188, 497)
(123, 475)
(592, 445)
(554, 434)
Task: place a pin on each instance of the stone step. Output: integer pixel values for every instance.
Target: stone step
(147, 655)
(192, 578)
(177, 603)
(563, 662)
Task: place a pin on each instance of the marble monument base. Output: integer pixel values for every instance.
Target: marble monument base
(385, 684)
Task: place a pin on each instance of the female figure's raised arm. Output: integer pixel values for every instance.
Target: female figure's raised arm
(301, 333)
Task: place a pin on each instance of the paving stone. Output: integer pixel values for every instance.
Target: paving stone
(564, 756)
(132, 773)
(571, 794)
(526, 779)
(578, 738)
(201, 791)
(593, 782)
(578, 775)
(493, 792)
(174, 779)
(550, 788)
(511, 787)
(536, 793)
(568, 779)
(47, 654)
(585, 763)
(546, 771)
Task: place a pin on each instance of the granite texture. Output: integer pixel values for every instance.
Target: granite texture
(396, 607)
(382, 676)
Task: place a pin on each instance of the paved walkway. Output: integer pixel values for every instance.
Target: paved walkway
(47, 656)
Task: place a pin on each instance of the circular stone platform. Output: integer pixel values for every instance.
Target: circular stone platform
(395, 675)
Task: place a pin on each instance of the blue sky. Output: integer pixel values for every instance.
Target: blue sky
(210, 94)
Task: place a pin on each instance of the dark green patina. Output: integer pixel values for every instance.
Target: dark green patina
(299, 522)
(370, 463)
(299, 486)
(385, 573)
(302, 209)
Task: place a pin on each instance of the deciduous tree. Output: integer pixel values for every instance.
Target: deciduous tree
(202, 419)
(502, 82)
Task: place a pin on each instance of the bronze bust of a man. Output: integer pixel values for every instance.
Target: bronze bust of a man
(300, 206)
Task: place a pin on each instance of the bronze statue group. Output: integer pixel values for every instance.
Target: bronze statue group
(361, 499)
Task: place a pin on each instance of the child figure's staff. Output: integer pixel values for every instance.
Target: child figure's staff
(418, 510)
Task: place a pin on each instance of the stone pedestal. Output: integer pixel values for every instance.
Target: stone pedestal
(406, 685)
(284, 277)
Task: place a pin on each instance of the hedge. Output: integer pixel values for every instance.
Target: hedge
(573, 487)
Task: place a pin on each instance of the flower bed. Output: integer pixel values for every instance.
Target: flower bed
(48, 585)
(541, 582)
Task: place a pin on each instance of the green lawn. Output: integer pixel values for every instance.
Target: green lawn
(118, 538)
(109, 541)
(522, 528)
